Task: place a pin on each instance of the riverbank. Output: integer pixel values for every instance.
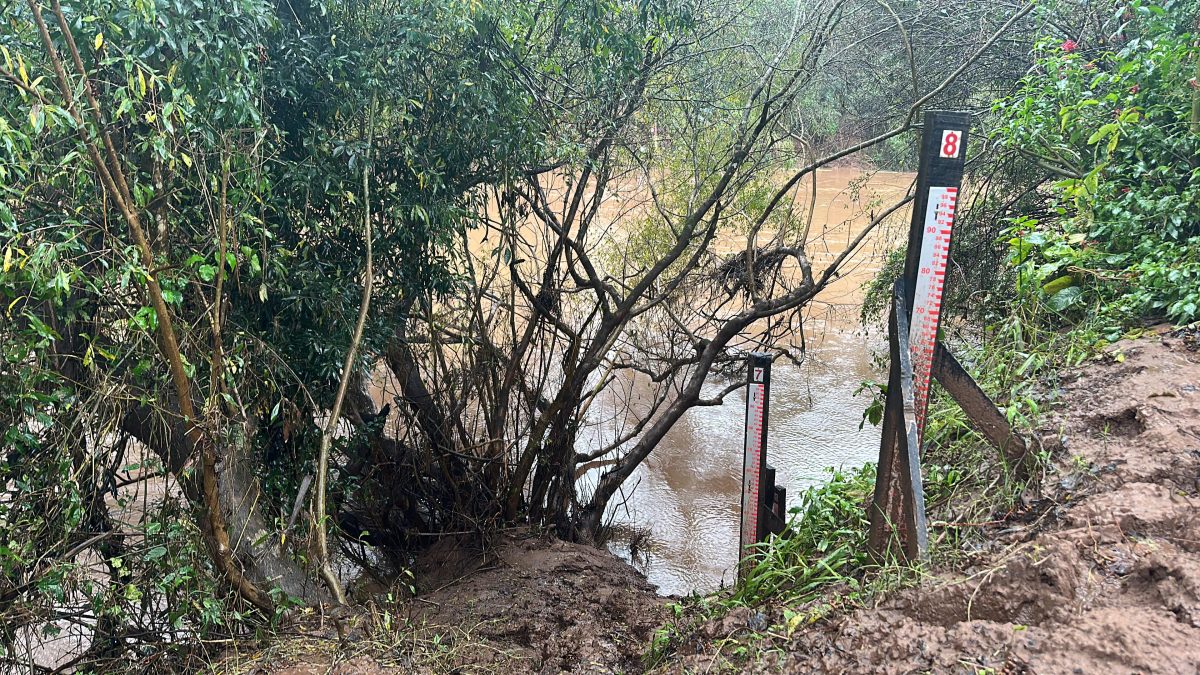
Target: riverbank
(528, 604)
(1099, 570)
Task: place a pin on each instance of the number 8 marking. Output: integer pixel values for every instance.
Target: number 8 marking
(950, 143)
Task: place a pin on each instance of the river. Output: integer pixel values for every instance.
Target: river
(686, 496)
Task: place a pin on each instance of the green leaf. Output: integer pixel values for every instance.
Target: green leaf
(1058, 285)
(1110, 128)
(1065, 298)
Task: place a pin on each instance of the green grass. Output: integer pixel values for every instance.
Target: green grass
(823, 549)
(825, 543)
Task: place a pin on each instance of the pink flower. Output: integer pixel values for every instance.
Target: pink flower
(1193, 83)
(1069, 46)
(1125, 190)
(1135, 88)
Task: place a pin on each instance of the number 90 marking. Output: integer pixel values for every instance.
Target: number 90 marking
(951, 142)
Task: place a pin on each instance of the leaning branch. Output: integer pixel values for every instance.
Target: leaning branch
(347, 371)
(112, 178)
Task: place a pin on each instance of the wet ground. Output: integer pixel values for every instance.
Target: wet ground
(1105, 578)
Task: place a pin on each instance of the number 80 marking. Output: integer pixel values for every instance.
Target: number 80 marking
(951, 140)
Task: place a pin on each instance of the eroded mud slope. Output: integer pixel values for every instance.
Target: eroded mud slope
(1107, 582)
(527, 605)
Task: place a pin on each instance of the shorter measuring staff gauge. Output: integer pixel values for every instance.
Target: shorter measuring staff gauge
(757, 391)
(927, 297)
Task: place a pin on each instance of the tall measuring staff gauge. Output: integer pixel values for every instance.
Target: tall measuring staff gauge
(897, 510)
(939, 179)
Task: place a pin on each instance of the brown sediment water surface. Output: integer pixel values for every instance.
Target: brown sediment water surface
(686, 496)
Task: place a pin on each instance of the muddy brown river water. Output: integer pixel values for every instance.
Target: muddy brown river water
(687, 494)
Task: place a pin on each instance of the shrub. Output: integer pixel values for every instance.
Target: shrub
(1117, 128)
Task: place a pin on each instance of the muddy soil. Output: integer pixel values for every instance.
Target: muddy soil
(1107, 580)
(526, 605)
(551, 606)
(1102, 574)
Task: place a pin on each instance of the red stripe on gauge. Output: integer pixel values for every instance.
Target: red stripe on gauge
(927, 297)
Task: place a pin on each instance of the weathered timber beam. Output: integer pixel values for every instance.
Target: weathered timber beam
(979, 408)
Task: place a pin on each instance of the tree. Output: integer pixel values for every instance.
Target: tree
(575, 302)
(569, 202)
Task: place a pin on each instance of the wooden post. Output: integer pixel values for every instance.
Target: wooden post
(898, 506)
(897, 511)
(908, 447)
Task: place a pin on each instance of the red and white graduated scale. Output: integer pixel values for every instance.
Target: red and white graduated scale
(752, 466)
(927, 296)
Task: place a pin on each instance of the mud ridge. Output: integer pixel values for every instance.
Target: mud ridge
(1109, 582)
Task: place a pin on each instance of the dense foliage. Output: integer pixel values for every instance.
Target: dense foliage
(1116, 122)
(192, 194)
(211, 155)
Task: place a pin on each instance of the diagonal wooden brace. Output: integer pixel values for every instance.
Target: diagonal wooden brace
(980, 409)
